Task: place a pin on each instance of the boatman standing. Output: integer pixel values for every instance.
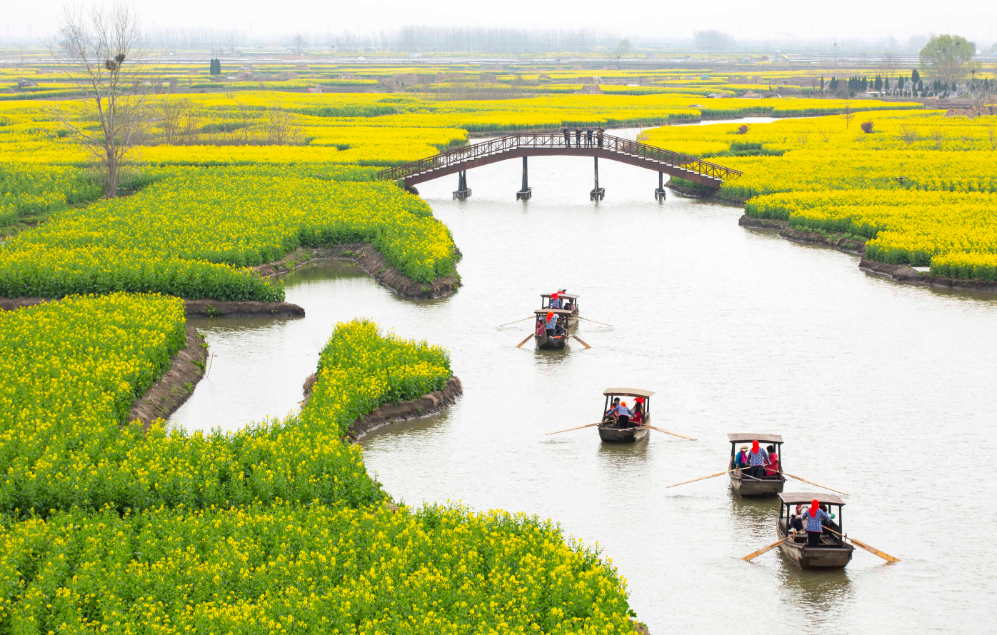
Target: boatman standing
(622, 414)
(551, 323)
(757, 459)
(814, 518)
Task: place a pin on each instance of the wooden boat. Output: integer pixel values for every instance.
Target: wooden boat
(569, 299)
(541, 338)
(745, 484)
(609, 433)
(833, 552)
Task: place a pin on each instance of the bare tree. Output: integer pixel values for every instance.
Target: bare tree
(179, 120)
(909, 134)
(280, 126)
(99, 45)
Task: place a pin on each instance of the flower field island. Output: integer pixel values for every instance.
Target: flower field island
(917, 188)
(275, 528)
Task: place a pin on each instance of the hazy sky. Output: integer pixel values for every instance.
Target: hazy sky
(743, 19)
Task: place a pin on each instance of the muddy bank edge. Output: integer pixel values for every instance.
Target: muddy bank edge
(903, 274)
(424, 406)
(176, 385)
(373, 264)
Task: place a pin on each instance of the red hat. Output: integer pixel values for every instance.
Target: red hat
(623, 403)
(640, 400)
(550, 314)
(814, 506)
(553, 296)
(754, 446)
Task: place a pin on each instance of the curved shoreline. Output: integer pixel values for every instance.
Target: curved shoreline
(176, 385)
(901, 274)
(372, 262)
(428, 404)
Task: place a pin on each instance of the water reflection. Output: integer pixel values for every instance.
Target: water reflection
(756, 514)
(817, 594)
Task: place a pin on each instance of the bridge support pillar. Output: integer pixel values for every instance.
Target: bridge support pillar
(598, 193)
(463, 191)
(527, 192)
(659, 194)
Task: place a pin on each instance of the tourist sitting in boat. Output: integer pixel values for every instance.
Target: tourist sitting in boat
(638, 417)
(555, 301)
(814, 518)
(772, 469)
(741, 458)
(757, 459)
(795, 522)
(609, 413)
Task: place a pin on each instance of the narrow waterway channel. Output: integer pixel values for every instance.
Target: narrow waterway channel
(884, 391)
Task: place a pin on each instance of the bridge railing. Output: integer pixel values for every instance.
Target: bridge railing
(464, 154)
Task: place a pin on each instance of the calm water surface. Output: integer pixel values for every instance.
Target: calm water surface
(885, 391)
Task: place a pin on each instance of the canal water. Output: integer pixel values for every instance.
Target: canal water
(884, 391)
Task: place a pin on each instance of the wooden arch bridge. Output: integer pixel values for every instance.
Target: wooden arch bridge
(539, 144)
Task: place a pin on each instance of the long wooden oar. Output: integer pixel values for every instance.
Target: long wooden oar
(703, 478)
(596, 321)
(812, 483)
(755, 554)
(582, 341)
(857, 543)
(588, 425)
(676, 434)
(514, 321)
(520, 345)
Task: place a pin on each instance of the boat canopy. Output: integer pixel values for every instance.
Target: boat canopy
(555, 311)
(628, 392)
(796, 498)
(566, 296)
(747, 437)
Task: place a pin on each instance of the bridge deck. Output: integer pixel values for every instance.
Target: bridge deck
(532, 144)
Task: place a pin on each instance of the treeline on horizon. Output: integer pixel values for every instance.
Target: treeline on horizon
(508, 40)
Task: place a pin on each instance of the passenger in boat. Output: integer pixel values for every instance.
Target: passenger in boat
(578, 136)
(588, 135)
(772, 468)
(815, 517)
(638, 417)
(567, 136)
(551, 326)
(612, 407)
(741, 458)
(757, 458)
(795, 522)
(555, 301)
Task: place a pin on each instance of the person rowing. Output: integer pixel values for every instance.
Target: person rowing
(814, 518)
(622, 414)
(758, 458)
(551, 326)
